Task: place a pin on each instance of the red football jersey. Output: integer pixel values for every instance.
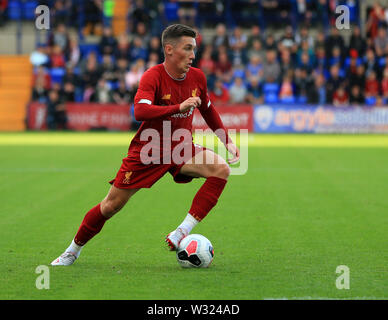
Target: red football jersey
(157, 104)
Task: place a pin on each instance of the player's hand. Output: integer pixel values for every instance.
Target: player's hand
(192, 102)
(232, 148)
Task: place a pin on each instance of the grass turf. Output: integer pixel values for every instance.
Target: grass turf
(306, 205)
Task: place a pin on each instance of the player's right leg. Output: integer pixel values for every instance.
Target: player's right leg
(93, 222)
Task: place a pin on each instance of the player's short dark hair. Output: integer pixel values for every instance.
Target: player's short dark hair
(175, 31)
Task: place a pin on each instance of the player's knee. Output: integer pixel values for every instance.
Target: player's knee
(111, 207)
(222, 171)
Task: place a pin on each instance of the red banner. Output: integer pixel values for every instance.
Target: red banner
(84, 116)
(233, 117)
(37, 116)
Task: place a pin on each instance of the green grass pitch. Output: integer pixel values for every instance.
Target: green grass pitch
(307, 205)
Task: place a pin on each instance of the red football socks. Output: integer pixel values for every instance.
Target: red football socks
(90, 226)
(207, 197)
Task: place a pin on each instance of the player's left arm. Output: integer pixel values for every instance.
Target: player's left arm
(213, 120)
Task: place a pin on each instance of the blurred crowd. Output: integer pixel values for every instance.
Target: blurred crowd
(243, 64)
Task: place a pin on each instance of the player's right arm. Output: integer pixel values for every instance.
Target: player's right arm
(144, 107)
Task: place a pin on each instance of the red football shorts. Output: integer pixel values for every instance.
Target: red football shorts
(133, 174)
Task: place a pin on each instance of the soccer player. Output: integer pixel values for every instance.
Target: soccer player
(167, 95)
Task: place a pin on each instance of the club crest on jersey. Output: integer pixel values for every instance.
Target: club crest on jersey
(194, 92)
(166, 96)
(127, 177)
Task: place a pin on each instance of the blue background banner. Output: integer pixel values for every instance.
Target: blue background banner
(320, 119)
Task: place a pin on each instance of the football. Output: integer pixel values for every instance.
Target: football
(195, 251)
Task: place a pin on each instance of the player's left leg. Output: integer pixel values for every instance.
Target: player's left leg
(209, 165)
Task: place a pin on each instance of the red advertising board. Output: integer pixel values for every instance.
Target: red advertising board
(86, 116)
(235, 116)
(83, 117)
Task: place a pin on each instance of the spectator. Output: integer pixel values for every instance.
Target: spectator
(39, 57)
(108, 42)
(334, 81)
(336, 58)
(356, 97)
(351, 70)
(358, 79)
(39, 92)
(320, 65)
(59, 37)
(221, 37)
(254, 94)
(57, 58)
(121, 68)
(357, 43)
(286, 92)
(107, 68)
(223, 68)
(256, 49)
(220, 93)
(288, 40)
(121, 95)
(301, 81)
(138, 50)
(123, 50)
(304, 36)
(372, 86)
(305, 63)
(254, 68)
(238, 43)
(254, 35)
(68, 92)
(375, 17)
(381, 102)
(93, 16)
(132, 78)
(56, 112)
(340, 97)
(103, 92)
(271, 69)
(60, 11)
(371, 63)
(286, 63)
(155, 47)
(384, 84)
(91, 73)
(43, 77)
(270, 43)
(73, 53)
(71, 77)
(334, 40)
(238, 91)
(153, 60)
(206, 63)
(187, 12)
(316, 91)
(381, 42)
(138, 14)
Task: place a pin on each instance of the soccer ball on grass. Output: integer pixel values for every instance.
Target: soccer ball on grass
(195, 251)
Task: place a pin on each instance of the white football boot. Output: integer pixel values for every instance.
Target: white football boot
(65, 259)
(174, 238)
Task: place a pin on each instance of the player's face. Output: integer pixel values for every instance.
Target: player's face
(183, 54)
